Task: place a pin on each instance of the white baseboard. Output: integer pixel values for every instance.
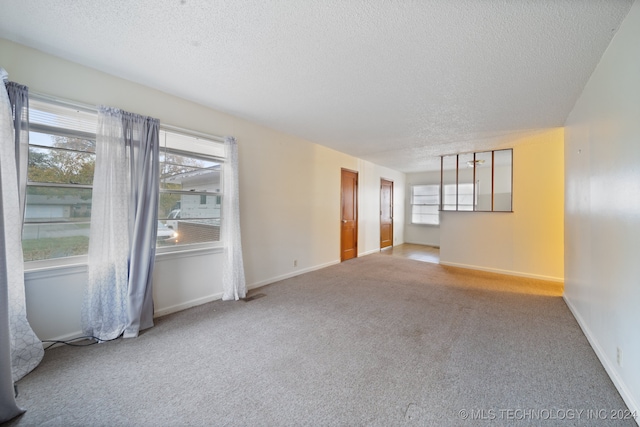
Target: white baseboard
(507, 272)
(290, 275)
(372, 251)
(213, 297)
(433, 245)
(606, 362)
(187, 304)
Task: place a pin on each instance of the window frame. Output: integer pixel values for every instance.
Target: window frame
(474, 162)
(41, 104)
(80, 261)
(198, 139)
(437, 204)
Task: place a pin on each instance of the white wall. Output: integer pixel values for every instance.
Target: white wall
(290, 196)
(369, 209)
(528, 241)
(602, 225)
(421, 234)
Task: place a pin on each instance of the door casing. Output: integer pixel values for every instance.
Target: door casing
(348, 215)
(386, 213)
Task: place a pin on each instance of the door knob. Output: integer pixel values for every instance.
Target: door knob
(344, 221)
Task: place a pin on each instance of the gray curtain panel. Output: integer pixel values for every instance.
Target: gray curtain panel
(20, 349)
(19, 99)
(142, 143)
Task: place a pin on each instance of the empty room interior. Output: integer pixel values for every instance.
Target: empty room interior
(495, 140)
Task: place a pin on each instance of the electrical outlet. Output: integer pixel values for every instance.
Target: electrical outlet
(295, 262)
(619, 356)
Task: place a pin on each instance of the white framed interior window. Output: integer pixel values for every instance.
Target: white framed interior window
(458, 197)
(478, 182)
(425, 204)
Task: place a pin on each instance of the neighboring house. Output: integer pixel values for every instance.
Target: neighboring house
(197, 206)
(56, 208)
(196, 217)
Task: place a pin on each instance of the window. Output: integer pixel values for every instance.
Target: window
(478, 181)
(62, 141)
(190, 189)
(425, 202)
(59, 181)
(465, 196)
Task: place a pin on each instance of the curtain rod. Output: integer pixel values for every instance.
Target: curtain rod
(88, 108)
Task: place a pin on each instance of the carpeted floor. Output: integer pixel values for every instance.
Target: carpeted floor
(377, 340)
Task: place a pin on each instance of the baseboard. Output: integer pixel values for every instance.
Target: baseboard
(187, 304)
(206, 299)
(157, 313)
(290, 275)
(214, 297)
(433, 245)
(507, 272)
(606, 362)
(372, 251)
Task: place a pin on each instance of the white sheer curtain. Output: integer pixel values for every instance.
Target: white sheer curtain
(104, 312)
(233, 268)
(20, 348)
(124, 225)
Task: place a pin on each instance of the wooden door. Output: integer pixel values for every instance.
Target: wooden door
(386, 213)
(349, 215)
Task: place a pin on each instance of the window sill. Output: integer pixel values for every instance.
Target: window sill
(471, 211)
(55, 264)
(78, 264)
(192, 250)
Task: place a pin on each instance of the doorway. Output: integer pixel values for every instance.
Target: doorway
(386, 213)
(349, 215)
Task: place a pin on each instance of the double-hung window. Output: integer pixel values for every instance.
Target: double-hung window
(62, 143)
(190, 189)
(425, 204)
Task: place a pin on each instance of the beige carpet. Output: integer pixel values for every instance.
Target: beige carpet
(376, 340)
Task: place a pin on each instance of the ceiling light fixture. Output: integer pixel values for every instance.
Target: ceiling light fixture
(477, 162)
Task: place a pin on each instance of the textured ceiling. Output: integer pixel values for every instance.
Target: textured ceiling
(395, 82)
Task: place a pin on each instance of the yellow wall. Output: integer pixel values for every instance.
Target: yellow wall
(528, 242)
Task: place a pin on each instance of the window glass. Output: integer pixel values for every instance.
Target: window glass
(59, 179)
(477, 181)
(449, 183)
(425, 203)
(69, 161)
(60, 173)
(484, 181)
(191, 199)
(503, 192)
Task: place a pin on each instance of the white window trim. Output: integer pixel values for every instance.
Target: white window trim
(423, 204)
(66, 265)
